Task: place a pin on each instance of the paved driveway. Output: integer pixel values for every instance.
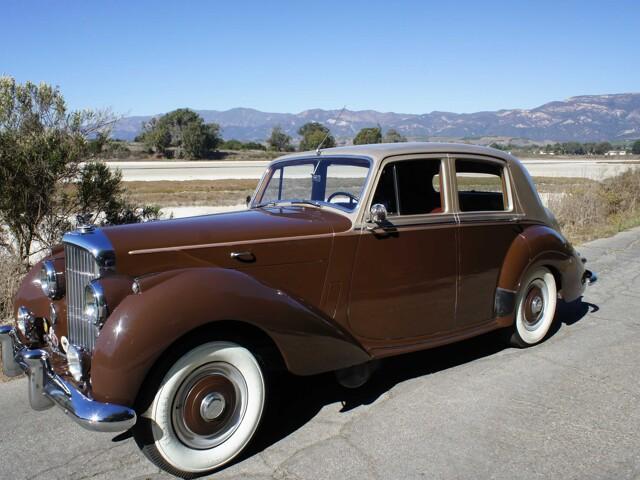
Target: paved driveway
(567, 409)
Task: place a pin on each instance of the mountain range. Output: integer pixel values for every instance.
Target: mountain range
(582, 118)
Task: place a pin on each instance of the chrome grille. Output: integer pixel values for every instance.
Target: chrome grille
(81, 268)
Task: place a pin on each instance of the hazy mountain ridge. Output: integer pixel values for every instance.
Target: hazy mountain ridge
(581, 118)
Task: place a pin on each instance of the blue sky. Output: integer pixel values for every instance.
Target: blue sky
(142, 57)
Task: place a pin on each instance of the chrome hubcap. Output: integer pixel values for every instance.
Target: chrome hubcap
(536, 306)
(209, 405)
(533, 304)
(212, 406)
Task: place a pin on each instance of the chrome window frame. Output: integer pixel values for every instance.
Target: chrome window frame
(510, 213)
(447, 216)
(353, 215)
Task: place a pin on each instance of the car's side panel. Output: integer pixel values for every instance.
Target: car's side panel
(145, 325)
(483, 248)
(404, 282)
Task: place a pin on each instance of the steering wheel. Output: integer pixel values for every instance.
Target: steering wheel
(352, 198)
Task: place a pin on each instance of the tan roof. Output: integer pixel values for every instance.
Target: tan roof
(379, 151)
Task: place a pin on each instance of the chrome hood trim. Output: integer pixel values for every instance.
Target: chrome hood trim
(95, 242)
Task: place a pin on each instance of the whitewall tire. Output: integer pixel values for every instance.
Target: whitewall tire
(535, 307)
(206, 410)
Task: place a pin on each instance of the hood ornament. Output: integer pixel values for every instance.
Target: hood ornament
(83, 223)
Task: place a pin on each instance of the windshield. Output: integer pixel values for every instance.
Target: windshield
(335, 182)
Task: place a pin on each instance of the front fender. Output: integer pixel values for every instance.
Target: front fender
(175, 303)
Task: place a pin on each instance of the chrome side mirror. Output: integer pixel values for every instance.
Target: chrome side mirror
(378, 213)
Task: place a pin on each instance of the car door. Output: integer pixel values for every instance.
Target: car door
(404, 276)
(488, 225)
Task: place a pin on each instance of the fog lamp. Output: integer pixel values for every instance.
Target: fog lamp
(74, 361)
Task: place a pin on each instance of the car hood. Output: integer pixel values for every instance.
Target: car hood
(164, 244)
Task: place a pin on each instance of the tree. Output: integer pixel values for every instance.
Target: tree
(313, 133)
(368, 135)
(602, 148)
(198, 139)
(156, 136)
(45, 179)
(392, 136)
(183, 129)
(635, 148)
(279, 141)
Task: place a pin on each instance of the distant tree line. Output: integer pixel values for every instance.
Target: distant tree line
(184, 134)
(577, 148)
(569, 148)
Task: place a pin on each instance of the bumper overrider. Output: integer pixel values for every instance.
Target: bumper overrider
(47, 389)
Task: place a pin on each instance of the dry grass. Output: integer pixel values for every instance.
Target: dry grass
(190, 193)
(600, 209)
(11, 272)
(561, 184)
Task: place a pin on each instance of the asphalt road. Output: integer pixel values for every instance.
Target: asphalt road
(219, 170)
(566, 409)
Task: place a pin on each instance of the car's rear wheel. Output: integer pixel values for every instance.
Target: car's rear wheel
(206, 410)
(535, 308)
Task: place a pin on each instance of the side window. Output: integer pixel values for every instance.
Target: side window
(411, 187)
(481, 186)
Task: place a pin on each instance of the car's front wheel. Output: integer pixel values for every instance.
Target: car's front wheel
(206, 410)
(535, 308)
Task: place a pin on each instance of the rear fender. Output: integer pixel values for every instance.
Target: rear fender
(173, 304)
(536, 246)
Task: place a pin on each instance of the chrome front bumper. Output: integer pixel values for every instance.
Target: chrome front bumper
(47, 389)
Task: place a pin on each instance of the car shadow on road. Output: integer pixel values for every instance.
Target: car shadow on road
(297, 400)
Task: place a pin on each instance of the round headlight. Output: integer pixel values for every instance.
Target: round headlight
(51, 287)
(95, 305)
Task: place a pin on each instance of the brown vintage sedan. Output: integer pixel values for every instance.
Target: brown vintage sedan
(344, 256)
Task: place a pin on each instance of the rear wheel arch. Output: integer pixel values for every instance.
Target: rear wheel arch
(537, 246)
(556, 275)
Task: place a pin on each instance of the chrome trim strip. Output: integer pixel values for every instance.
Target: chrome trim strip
(47, 389)
(95, 242)
(230, 244)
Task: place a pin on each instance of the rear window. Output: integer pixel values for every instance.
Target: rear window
(481, 186)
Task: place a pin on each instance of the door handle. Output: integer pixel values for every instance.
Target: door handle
(244, 257)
